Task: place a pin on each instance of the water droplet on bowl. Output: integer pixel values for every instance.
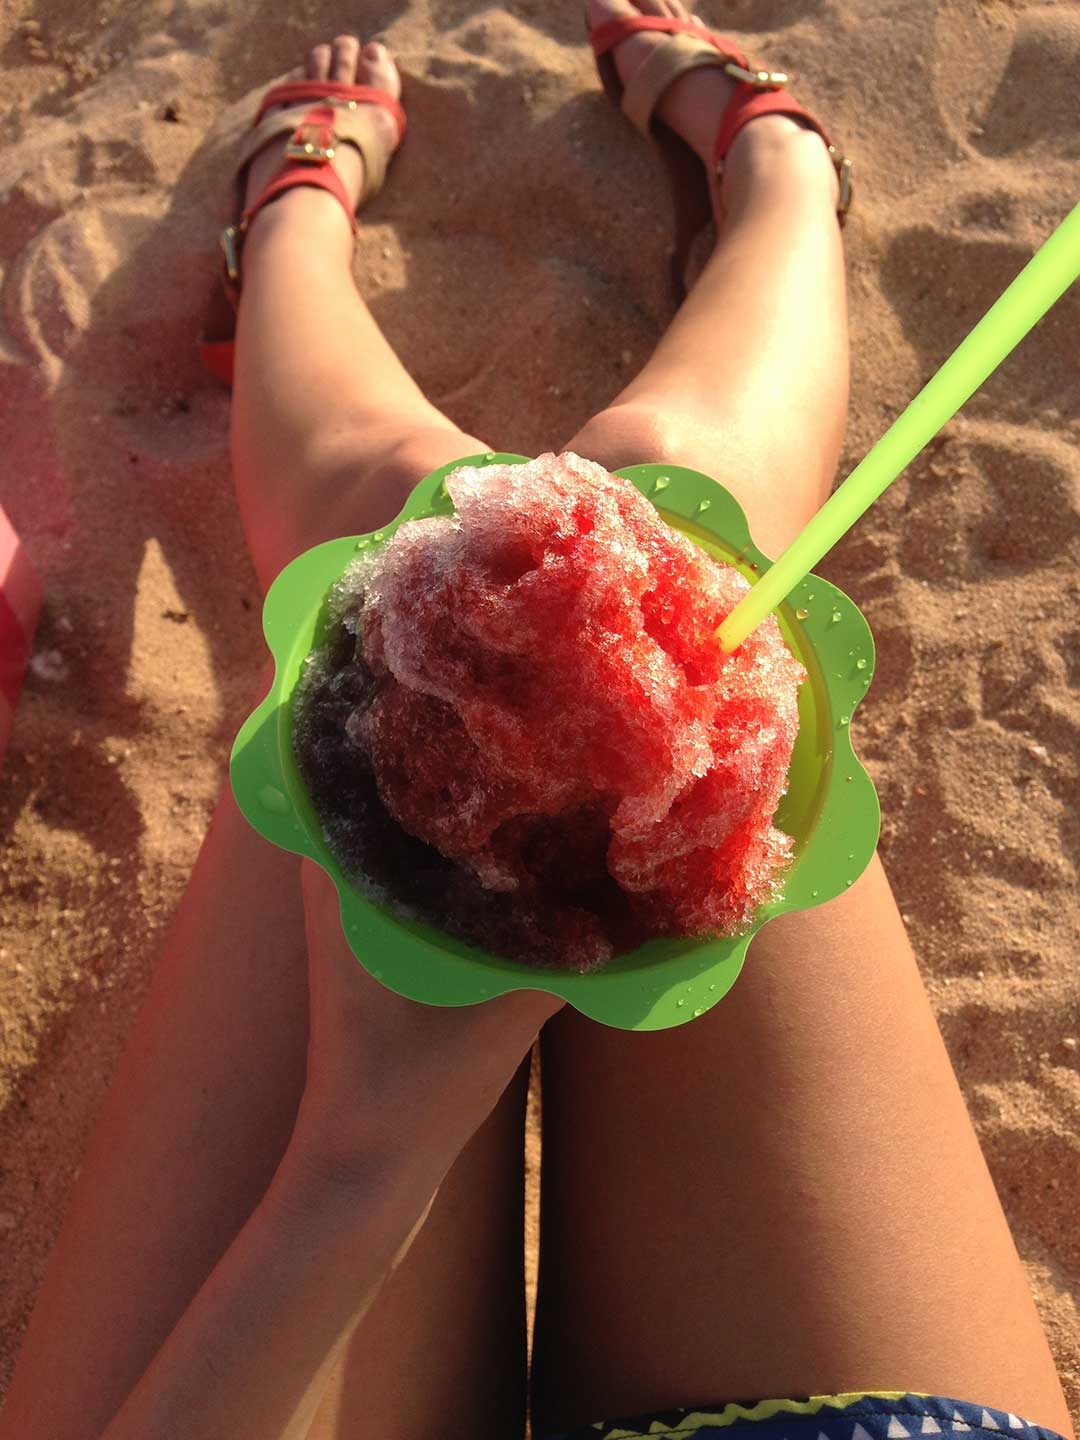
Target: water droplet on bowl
(698, 1012)
(860, 664)
(801, 614)
(849, 778)
(661, 483)
(378, 535)
(272, 799)
(490, 456)
(844, 719)
(703, 505)
(836, 617)
(814, 894)
(680, 1003)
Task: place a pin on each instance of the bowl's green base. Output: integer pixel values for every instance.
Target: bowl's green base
(830, 808)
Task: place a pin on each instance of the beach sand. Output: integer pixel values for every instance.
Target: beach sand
(523, 281)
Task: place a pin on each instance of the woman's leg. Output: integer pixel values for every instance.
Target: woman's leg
(328, 428)
(786, 1196)
(329, 434)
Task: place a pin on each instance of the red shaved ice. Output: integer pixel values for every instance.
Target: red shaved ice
(523, 729)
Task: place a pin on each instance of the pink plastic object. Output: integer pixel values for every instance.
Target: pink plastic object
(20, 604)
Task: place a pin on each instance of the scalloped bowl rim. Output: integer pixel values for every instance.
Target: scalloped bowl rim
(665, 982)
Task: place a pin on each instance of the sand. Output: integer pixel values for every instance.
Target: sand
(522, 282)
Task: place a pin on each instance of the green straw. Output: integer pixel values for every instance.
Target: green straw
(1043, 280)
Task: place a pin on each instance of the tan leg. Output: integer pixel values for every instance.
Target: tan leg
(329, 434)
(786, 1196)
(750, 381)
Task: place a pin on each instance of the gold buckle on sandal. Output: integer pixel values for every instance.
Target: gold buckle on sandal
(759, 79)
(304, 146)
(843, 173)
(231, 251)
(231, 241)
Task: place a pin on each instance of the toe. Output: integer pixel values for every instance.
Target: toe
(318, 63)
(345, 53)
(377, 68)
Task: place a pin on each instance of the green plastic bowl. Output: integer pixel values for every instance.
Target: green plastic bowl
(830, 808)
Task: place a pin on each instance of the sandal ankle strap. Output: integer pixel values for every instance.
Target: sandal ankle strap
(302, 173)
(315, 131)
(746, 105)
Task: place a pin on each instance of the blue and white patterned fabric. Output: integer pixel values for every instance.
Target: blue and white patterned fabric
(877, 1415)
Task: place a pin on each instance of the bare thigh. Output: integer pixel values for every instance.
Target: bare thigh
(199, 1115)
(785, 1196)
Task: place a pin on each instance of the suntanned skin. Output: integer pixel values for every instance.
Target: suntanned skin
(784, 1197)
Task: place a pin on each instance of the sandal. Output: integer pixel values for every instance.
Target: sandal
(327, 113)
(687, 48)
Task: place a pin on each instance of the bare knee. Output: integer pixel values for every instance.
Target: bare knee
(776, 499)
(377, 491)
(350, 485)
(634, 433)
(370, 483)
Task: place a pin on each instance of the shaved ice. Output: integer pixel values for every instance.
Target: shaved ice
(522, 728)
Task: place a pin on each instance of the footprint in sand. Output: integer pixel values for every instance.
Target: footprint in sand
(1025, 1160)
(992, 825)
(1039, 84)
(1001, 1043)
(757, 16)
(1032, 519)
(996, 209)
(940, 285)
(1009, 676)
(994, 508)
(564, 23)
(1006, 78)
(1069, 645)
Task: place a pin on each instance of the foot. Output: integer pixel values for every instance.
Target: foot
(694, 105)
(345, 60)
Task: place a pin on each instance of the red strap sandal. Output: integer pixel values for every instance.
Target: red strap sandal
(320, 115)
(689, 47)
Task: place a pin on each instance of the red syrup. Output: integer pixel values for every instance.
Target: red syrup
(522, 728)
